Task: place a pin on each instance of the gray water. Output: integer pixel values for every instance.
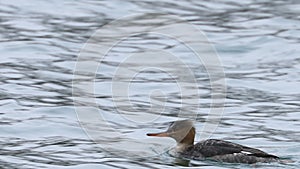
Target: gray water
(257, 42)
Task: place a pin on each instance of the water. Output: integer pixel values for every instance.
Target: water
(258, 44)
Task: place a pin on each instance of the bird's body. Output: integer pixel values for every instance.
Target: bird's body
(218, 150)
(224, 151)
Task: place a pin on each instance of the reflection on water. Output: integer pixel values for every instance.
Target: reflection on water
(258, 43)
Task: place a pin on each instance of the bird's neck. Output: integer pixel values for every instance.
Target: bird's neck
(187, 141)
(181, 147)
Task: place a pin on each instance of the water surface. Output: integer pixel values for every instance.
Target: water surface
(258, 44)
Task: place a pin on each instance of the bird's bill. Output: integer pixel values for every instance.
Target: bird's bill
(162, 134)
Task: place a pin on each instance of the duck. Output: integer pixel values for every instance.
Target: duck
(183, 131)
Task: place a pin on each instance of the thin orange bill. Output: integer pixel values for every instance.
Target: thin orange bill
(163, 134)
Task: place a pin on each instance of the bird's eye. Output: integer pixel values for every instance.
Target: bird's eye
(172, 124)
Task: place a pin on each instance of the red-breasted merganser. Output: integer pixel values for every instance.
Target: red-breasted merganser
(218, 150)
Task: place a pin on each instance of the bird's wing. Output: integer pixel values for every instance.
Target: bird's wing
(214, 147)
